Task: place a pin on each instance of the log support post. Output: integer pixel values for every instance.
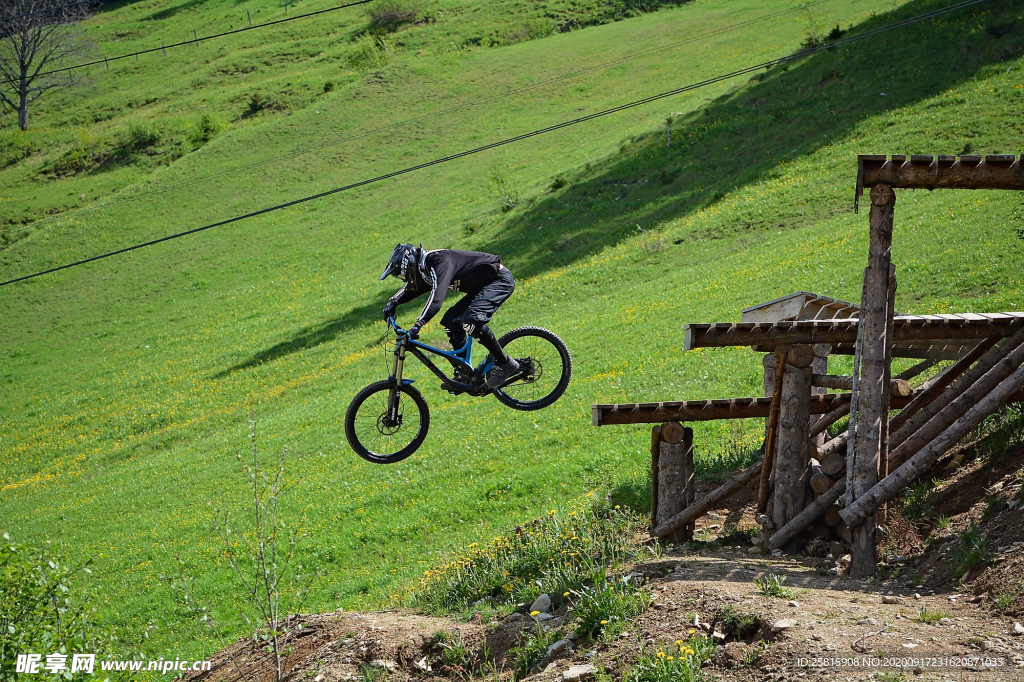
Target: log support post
(792, 452)
(820, 366)
(869, 419)
(770, 362)
(674, 488)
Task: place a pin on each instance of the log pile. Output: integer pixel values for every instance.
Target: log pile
(819, 494)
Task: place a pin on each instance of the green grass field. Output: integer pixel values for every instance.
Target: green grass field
(127, 384)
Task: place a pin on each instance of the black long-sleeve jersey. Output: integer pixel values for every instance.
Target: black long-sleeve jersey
(446, 270)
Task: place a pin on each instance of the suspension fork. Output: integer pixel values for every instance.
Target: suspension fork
(396, 374)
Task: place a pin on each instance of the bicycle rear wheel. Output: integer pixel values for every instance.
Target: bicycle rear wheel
(546, 368)
(379, 437)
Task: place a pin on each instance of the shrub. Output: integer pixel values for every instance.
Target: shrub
(203, 130)
(372, 52)
(536, 27)
(390, 15)
(40, 611)
(262, 550)
(139, 136)
(256, 104)
(506, 187)
(814, 34)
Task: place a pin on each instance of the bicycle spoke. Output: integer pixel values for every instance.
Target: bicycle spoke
(376, 434)
(548, 368)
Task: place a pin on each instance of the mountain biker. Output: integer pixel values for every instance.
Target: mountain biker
(485, 282)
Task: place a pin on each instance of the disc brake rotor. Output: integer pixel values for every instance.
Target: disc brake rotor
(387, 426)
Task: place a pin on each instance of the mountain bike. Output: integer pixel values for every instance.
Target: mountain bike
(388, 420)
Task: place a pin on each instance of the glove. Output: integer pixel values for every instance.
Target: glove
(389, 310)
(414, 331)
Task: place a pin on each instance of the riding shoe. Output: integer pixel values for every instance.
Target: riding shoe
(500, 373)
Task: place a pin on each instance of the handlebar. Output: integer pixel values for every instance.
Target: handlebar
(398, 330)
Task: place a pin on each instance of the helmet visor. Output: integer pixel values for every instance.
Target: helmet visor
(394, 265)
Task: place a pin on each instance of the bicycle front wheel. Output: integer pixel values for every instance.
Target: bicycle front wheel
(546, 368)
(384, 436)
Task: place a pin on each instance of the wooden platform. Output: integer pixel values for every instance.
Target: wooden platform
(729, 408)
(942, 329)
(709, 410)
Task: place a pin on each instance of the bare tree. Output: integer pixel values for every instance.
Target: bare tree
(37, 39)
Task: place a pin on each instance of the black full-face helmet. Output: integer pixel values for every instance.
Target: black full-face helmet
(403, 259)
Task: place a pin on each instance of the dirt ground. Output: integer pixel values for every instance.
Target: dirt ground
(835, 618)
(923, 623)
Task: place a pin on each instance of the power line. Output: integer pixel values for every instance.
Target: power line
(518, 138)
(194, 41)
(299, 151)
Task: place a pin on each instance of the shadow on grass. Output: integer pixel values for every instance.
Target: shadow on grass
(745, 136)
(311, 337)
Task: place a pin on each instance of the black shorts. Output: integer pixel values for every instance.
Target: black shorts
(474, 310)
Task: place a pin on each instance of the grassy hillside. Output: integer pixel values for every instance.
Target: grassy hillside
(127, 384)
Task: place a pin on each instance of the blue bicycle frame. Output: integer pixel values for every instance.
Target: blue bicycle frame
(459, 358)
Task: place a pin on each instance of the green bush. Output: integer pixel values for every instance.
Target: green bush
(203, 130)
(372, 52)
(390, 15)
(139, 136)
(531, 29)
(40, 611)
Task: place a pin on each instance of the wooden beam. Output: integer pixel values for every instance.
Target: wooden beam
(906, 328)
(900, 387)
(910, 470)
(710, 410)
(771, 429)
(917, 369)
(919, 171)
(706, 503)
(933, 352)
(973, 386)
(809, 515)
